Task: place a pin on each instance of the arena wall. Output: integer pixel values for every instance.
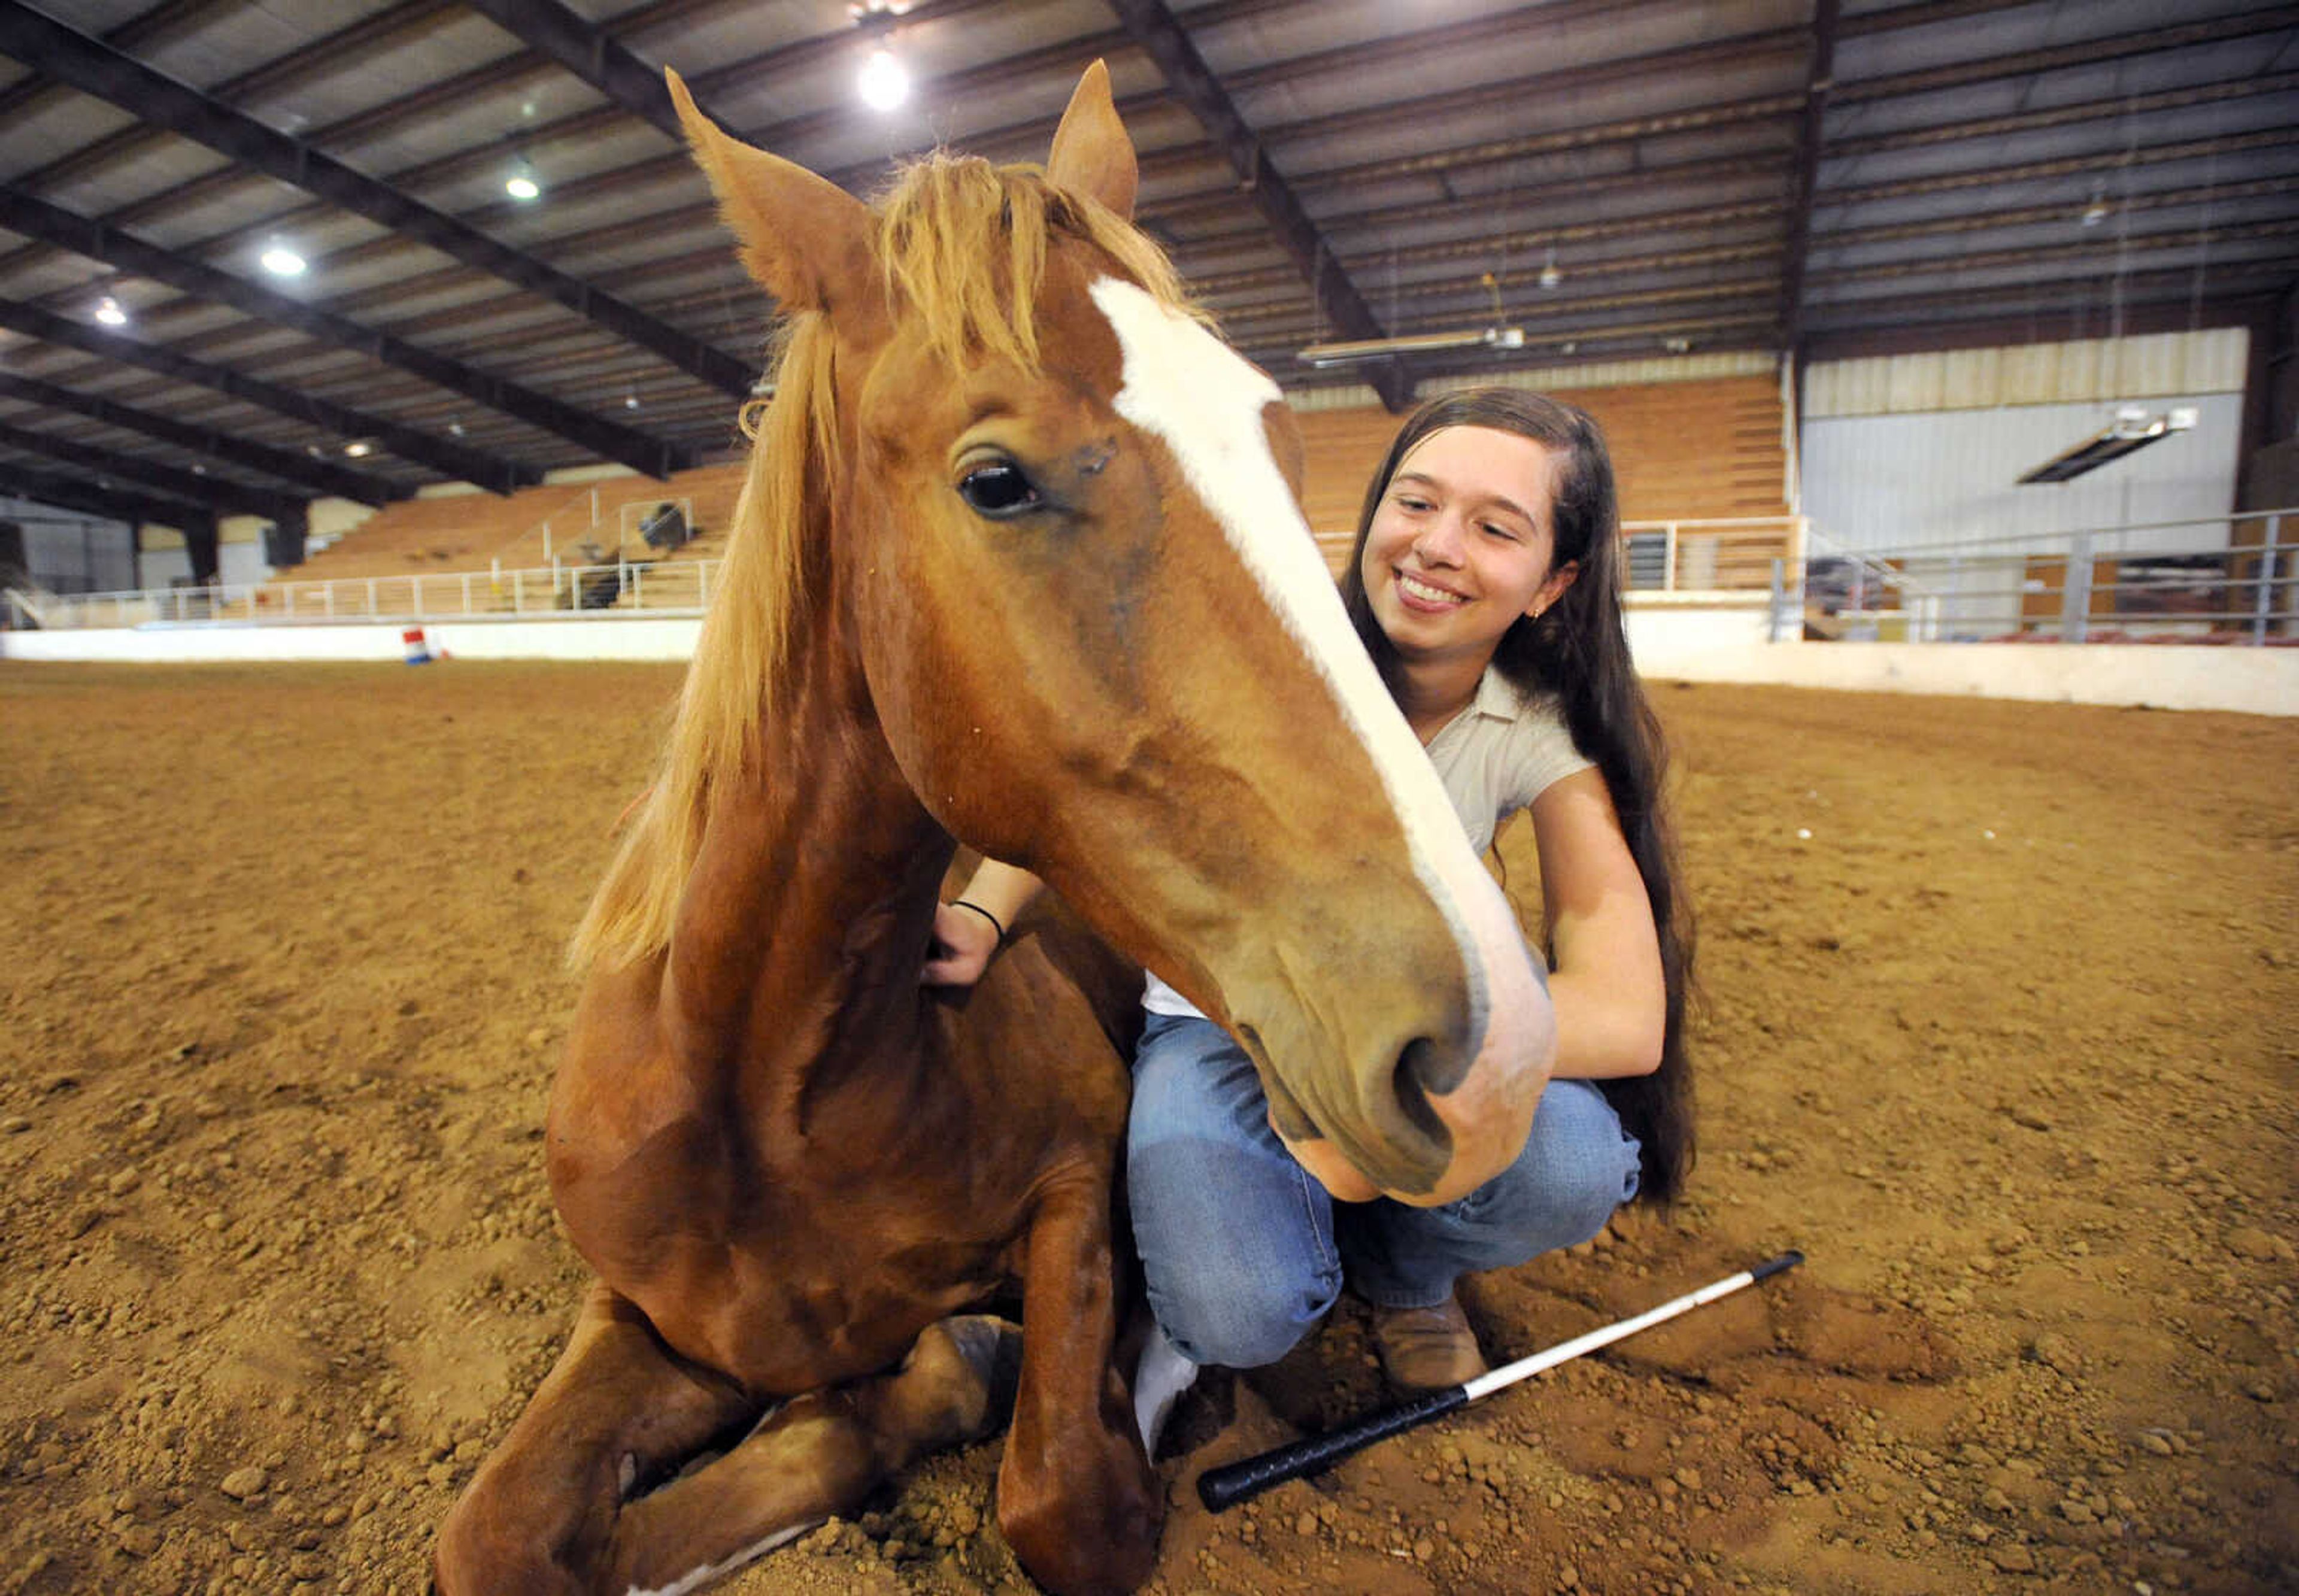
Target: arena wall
(1709, 645)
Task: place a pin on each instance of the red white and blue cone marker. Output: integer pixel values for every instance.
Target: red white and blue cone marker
(418, 652)
(1234, 1483)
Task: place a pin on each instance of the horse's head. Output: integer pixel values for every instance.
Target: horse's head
(1066, 550)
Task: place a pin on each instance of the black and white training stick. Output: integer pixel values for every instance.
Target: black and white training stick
(1238, 1481)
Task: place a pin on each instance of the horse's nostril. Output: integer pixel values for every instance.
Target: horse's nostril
(1425, 1066)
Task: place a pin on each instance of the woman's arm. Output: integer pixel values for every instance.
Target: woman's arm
(1610, 995)
(965, 940)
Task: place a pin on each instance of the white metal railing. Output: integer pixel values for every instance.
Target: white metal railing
(656, 587)
(1687, 557)
(2146, 581)
(2231, 579)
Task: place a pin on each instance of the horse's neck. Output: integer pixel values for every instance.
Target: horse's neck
(807, 909)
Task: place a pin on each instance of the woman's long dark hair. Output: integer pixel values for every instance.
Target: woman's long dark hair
(1579, 650)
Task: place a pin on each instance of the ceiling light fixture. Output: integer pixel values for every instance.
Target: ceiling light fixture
(359, 448)
(884, 83)
(630, 401)
(1551, 279)
(2096, 212)
(1349, 351)
(108, 311)
(2133, 428)
(1677, 346)
(280, 261)
(522, 185)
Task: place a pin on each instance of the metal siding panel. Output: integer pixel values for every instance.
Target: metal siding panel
(1888, 484)
(2158, 366)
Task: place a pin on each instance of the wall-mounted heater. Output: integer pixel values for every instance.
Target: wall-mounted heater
(2134, 429)
(1372, 349)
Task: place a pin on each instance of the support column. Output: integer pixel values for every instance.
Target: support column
(199, 545)
(282, 539)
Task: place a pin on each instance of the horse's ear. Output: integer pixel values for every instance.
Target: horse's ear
(1091, 154)
(802, 236)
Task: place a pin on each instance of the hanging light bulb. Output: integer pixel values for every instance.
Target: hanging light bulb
(108, 311)
(2096, 212)
(521, 185)
(280, 261)
(1550, 277)
(884, 83)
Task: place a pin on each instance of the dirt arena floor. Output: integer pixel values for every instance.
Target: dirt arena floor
(2000, 1029)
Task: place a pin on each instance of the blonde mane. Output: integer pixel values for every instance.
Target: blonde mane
(962, 246)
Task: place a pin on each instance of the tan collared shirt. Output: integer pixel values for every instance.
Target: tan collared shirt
(1494, 757)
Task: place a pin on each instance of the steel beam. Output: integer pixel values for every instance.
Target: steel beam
(2060, 116)
(489, 472)
(1470, 249)
(2023, 326)
(118, 504)
(47, 45)
(2120, 47)
(1155, 28)
(1920, 14)
(2106, 259)
(2094, 162)
(325, 476)
(217, 493)
(1725, 168)
(1812, 137)
(1980, 221)
(582, 48)
(100, 241)
(163, 25)
(1678, 62)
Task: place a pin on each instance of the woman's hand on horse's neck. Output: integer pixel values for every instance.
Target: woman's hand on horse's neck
(1432, 692)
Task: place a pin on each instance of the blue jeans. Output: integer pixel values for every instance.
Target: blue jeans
(1245, 1252)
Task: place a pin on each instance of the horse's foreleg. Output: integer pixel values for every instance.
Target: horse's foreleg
(541, 1515)
(816, 1455)
(1076, 1497)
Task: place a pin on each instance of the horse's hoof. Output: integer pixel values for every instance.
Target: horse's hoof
(975, 1361)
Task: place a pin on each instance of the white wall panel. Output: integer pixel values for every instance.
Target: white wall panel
(237, 565)
(1885, 483)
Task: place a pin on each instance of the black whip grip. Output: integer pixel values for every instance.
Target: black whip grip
(1773, 1265)
(1248, 1477)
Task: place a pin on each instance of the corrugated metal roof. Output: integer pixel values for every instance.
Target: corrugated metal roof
(1705, 176)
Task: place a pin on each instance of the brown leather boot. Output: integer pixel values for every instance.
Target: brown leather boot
(1427, 1348)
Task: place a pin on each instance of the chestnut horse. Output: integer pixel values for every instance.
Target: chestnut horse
(1018, 562)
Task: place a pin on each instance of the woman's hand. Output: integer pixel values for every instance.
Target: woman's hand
(964, 941)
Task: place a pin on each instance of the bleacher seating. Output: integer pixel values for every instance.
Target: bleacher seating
(1711, 449)
(1708, 449)
(526, 531)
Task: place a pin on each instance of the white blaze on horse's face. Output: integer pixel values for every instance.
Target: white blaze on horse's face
(1206, 404)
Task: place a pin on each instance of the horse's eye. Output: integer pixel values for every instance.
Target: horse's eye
(998, 490)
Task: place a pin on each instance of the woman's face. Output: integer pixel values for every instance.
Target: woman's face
(1462, 543)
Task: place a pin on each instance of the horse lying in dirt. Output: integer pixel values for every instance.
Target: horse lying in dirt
(1019, 563)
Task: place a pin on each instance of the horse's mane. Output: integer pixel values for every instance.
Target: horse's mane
(962, 245)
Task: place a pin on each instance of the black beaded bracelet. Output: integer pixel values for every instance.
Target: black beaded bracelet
(985, 914)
